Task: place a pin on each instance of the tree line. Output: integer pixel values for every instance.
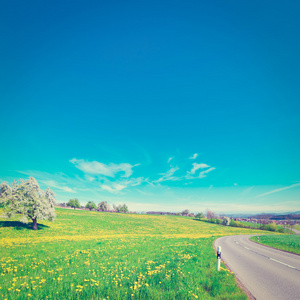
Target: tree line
(102, 206)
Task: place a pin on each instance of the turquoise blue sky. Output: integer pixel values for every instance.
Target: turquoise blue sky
(163, 105)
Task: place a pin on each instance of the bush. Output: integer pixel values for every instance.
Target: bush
(280, 229)
(199, 216)
(239, 224)
(272, 226)
(233, 223)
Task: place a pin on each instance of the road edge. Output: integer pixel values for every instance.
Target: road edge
(239, 283)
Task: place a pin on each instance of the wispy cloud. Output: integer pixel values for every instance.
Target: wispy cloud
(98, 177)
(247, 191)
(98, 168)
(168, 175)
(191, 174)
(114, 188)
(279, 190)
(203, 173)
(54, 184)
(119, 185)
(89, 178)
(198, 166)
(170, 158)
(194, 156)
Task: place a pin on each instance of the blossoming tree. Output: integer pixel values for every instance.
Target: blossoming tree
(27, 199)
(103, 206)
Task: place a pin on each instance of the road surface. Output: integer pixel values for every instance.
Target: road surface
(296, 231)
(267, 273)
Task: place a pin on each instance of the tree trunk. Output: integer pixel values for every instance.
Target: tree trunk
(34, 225)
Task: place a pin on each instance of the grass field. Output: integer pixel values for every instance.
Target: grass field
(289, 243)
(92, 255)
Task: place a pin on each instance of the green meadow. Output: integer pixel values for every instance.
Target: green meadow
(93, 255)
(290, 243)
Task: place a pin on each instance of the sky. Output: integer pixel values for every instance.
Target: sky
(162, 105)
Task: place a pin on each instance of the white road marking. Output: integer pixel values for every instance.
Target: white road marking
(280, 262)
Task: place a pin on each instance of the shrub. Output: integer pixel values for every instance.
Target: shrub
(233, 223)
(280, 229)
(272, 226)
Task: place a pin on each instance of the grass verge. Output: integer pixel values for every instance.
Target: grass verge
(290, 243)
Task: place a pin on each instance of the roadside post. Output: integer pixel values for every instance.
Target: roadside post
(218, 258)
(258, 239)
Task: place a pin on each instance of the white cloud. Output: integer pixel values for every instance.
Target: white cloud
(89, 178)
(168, 175)
(170, 172)
(278, 190)
(114, 188)
(132, 181)
(247, 191)
(54, 184)
(117, 186)
(194, 156)
(98, 168)
(198, 166)
(203, 173)
(170, 158)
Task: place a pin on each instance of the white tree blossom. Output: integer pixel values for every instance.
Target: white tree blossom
(27, 199)
(226, 221)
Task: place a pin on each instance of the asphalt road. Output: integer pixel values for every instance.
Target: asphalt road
(296, 231)
(267, 273)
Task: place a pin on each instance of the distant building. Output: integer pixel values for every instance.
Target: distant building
(161, 213)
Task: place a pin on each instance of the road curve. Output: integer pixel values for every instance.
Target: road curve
(296, 231)
(267, 273)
